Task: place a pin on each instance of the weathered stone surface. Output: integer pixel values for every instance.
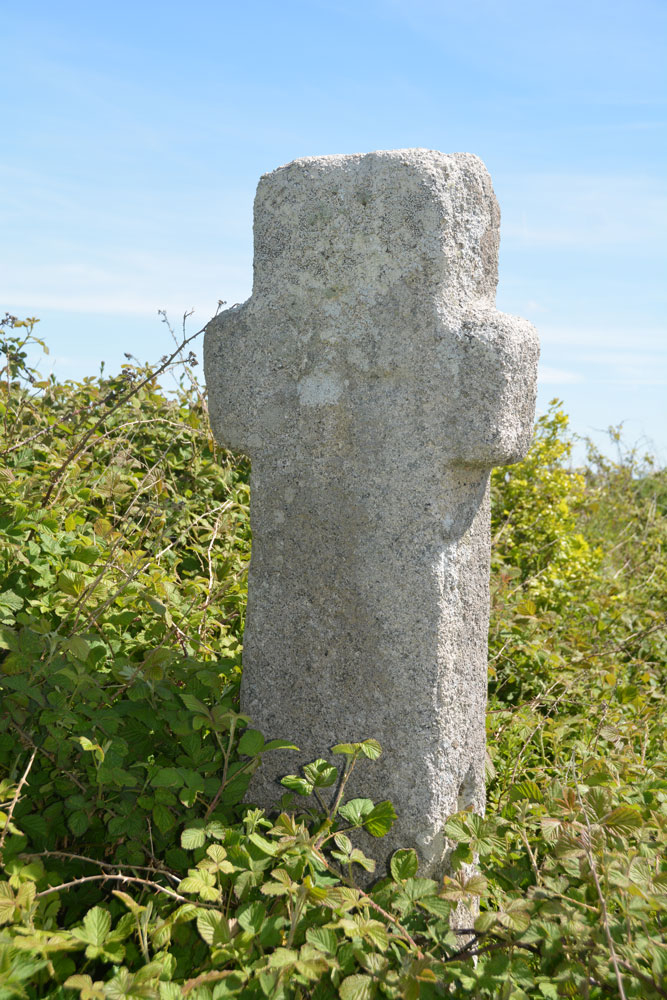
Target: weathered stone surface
(373, 385)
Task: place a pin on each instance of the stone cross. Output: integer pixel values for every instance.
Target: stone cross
(373, 385)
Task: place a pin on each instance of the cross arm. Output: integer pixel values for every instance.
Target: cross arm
(497, 384)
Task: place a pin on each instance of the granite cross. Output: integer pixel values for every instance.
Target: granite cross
(374, 385)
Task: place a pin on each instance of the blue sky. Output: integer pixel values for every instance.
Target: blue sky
(134, 134)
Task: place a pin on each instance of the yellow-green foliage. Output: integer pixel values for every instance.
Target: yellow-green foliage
(129, 866)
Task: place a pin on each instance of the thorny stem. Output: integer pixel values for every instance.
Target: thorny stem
(100, 864)
(126, 879)
(17, 795)
(598, 888)
(223, 783)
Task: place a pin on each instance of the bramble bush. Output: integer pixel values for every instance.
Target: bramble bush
(130, 866)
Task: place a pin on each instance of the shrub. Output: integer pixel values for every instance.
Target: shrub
(129, 865)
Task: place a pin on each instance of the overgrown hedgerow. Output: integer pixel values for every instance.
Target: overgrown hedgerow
(129, 865)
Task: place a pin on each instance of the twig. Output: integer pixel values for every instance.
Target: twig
(405, 934)
(17, 795)
(125, 879)
(644, 978)
(205, 977)
(100, 864)
(57, 475)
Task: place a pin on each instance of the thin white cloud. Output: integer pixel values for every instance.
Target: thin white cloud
(557, 376)
(581, 211)
(607, 338)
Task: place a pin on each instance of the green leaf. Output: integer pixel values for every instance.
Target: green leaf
(200, 881)
(322, 938)
(380, 819)
(91, 747)
(283, 957)
(164, 819)
(526, 790)
(320, 773)
(438, 907)
(213, 927)
(485, 921)
(252, 916)
(88, 989)
(370, 749)
(7, 903)
(194, 704)
(296, 784)
(623, 819)
(78, 822)
(357, 987)
(404, 864)
(266, 846)
(167, 777)
(192, 838)
(279, 745)
(349, 749)
(456, 828)
(78, 647)
(8, 599)
(356, 810)
(251, 743)
(515, 916)
(96, 926)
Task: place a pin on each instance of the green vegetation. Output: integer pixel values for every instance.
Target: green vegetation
(129, 867)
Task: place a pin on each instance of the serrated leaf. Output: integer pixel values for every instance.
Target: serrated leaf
(266, 846)
(200, 881)
(213, 928)
(357, 987)
(167, 777)
(457, 830)
(251, 743)
(526, 790)
(322, 938)
(78, 822)
(216, 853)
(8, 599)
(91, 747)
(349, 749)
(282, 957)
(438, 907)
(163, 818)
(78, 647)
(96, 927)
(370, 749)
(476, 885)
(359, 858)
(88, 989)
(252, 916)
(194, 704)
(216, 829)
(192, 838)
(404, 864)
(279, 745)
(296, 784)
(356, 810)
(515, 918)
(7, 903)
(320, 773)
(623, 819)
(380, 819)
(485, 921)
